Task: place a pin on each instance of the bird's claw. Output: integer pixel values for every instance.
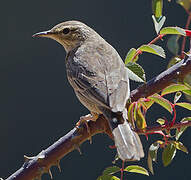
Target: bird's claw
(85, 119)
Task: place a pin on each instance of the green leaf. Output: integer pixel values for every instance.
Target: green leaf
(180, 146)
(158, 23)
(107, 177)
(180, 131)
(135, 72)
(185, 4)
(157, 6)
(188, 92)
(168, 154)
(161, 101)
(173, 30)
(187, 81)
(130, 55)
(173, 45)
(160, 121)
(150, 164)
(131, 113)
(154, 49)
(174, 88)
(152, 155)
(111, 170)
(136, 169)
(140, 119)
(185, 105)
(153, 151)
(147, 104)
(177, 97)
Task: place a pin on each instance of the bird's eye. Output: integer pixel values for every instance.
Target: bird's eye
(66, 30)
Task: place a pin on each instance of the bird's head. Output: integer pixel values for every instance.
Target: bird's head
(70, 34)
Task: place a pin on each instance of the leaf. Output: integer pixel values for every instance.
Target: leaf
(180, 146)
(174, 88)
(136, 169)
(188, 92)
(185, 4)
(158, 23)
(152, 155)
(131, 114)
(150, 164)
(177, 97)
(147, 104)
(173, 30)
(153, 151)
(154, 49)
(130, 55)
(185, 105)
(157, 6)
(168, 154)
(187, 81)
(160, 121)
(173, 45)
(111, 170)
(107, 177)
(161, 101)
(140, 119)
(180, 131)
(135, 72)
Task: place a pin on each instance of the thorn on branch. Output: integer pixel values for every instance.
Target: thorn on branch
(58, 165)
(27, 158)
(77, 147)
(50, 173)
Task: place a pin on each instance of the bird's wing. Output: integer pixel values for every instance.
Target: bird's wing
(99, 74)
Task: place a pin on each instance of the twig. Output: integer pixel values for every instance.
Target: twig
(164, 127)
(160, 36)
(172, 75)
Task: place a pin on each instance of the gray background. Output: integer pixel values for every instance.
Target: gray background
(37, 105)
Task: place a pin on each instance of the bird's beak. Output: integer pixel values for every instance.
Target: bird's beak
(43, 34)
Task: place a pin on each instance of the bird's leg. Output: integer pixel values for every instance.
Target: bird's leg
(84, 119)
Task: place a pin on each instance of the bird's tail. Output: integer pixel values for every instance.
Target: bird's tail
(127, 141)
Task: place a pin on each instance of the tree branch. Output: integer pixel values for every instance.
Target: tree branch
(34, 167)
(172, 75)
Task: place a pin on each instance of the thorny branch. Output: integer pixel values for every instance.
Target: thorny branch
(34, 167)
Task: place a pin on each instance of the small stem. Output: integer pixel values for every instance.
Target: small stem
(122, 169)
(149, 130)
(174, 116)
(160, 36)
(184, 38)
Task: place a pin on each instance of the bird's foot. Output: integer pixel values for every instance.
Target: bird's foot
(85, 119)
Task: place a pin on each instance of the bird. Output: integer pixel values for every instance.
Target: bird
(100, 81)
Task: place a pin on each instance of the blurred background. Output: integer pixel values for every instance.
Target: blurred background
(37, 105)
